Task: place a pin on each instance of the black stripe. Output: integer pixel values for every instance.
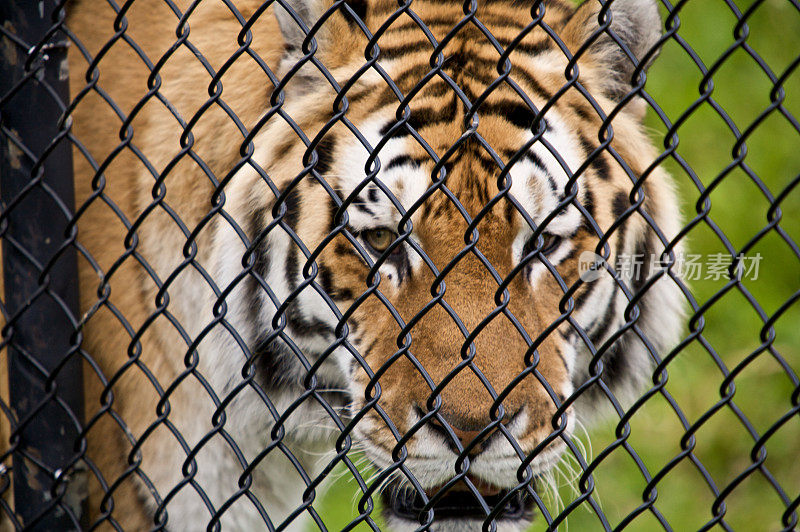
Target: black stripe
(487, 163)
(565, 365)
(386, 127)
(508, 211)
(306, 327)
(326, 281)
(260, 267)
(534, 159)
(273, 362)
(423, 117)
(533, 83)
(515, 112)
(429, 116)
(570, 254)
(581, 298)
(530, 48)
(646, 252)
(340, 248)
(332, 208)
(392, 52)
(600, 166)
(413, 121)
(527, 45)
(372, 193)
(539, 165)
(261, 251)
(271, 357)
(361, 205)
(283, 148)
(437, 88)
(410, 76)
(480, 70)
(325, 150)
(401, 262)
(292, 266)
(621, 204)
(599, 330)
(584, 112)
(448, 21)
(292, 213)
(598, 163)
(395, 162)
(616, 367)
(589, 204)
(360, 9)
(299, 324)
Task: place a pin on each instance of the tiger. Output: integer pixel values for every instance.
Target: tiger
(313, 228)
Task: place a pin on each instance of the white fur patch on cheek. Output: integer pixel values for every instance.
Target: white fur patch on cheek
(538, 184)
(410, 184)
(345, 361)
(414, 258)
(390, 275)
(570, 354)
(539, 270)
(404, 178)
(526, 188)
(372, 207)
(556, 174)
(518, 245)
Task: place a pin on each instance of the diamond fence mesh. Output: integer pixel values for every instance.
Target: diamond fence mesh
(399, 265)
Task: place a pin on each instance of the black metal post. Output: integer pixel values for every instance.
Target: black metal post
(39, 267)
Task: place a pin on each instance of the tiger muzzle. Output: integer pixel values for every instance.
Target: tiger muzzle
(477, 502)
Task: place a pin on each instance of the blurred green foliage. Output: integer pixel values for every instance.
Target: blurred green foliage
(732, 326)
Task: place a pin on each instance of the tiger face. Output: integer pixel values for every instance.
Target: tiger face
(384, 252)
(427, 249)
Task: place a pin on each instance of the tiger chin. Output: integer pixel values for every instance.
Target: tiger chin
(281, 264)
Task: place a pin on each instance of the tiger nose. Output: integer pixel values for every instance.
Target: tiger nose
(466, 430)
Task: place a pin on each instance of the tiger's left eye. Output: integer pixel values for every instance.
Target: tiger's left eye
(379, 239)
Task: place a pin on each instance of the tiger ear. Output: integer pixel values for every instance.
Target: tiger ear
(290, 15)
(338, 38)
(625, 48)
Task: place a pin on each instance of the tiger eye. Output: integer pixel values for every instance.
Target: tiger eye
(379, 239)
(550, 243)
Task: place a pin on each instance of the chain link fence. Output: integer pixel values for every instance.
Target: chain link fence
(399, 265)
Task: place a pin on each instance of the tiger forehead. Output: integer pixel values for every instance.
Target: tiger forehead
(429, 23)
(466, 48)
(471, 180)
(470, 107)
(459, 188)
(433, 49)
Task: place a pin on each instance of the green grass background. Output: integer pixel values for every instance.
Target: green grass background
(732, 325)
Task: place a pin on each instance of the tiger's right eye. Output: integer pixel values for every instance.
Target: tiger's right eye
(551, 242)
(379, 239)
